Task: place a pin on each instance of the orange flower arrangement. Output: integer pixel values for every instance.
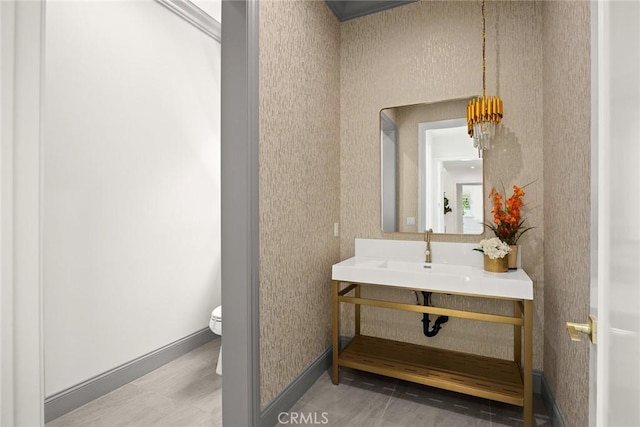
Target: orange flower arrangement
(507, 219)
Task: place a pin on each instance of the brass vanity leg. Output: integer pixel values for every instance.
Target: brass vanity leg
(517, 335)
(336, 332)
(528, 363)
(357, 309)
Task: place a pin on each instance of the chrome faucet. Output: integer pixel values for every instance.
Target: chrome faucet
(427, 238)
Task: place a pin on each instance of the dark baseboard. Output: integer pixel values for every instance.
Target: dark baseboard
(537, 382)
(295, 390)
(91, 389)
(557, 420)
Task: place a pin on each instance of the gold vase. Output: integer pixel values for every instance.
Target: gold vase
(498, 265)
(513, 257)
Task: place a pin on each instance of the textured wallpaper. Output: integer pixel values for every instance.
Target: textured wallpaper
(299, 186)
(322, 86)
(567, 174)
(428, 52)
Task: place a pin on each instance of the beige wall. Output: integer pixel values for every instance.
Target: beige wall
(299, 186)
(567, 172)
(428, 52)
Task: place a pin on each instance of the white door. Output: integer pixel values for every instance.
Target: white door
(615, 296)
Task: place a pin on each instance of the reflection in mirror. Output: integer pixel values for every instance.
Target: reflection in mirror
(432, 176)
(450, 182)
(389, 149)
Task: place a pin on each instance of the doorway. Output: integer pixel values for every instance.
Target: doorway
(131, 191)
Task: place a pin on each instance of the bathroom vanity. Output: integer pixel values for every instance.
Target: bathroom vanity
(456, 270)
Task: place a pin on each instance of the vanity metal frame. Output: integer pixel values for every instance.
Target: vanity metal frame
(508, 381)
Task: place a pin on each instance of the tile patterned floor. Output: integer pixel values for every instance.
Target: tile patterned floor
(364, 399)
(187, 393)
(184, 392)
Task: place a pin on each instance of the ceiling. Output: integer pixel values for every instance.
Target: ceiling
(349, 9)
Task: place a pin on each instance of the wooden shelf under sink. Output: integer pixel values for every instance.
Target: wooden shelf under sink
(481, 376)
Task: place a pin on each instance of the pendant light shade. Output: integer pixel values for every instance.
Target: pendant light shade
(484, 113)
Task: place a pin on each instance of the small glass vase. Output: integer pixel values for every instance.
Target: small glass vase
(498, 265)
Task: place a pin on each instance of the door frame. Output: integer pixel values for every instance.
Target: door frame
(21, 347)
(596, 203)
(240, 212)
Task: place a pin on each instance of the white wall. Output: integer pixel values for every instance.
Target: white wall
(131, 184)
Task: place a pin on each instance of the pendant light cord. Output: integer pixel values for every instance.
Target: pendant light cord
(484, 61)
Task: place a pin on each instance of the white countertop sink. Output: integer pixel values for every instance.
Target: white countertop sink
(443, 277)
(427, 268)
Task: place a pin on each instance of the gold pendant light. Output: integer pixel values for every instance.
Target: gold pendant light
(483, 113)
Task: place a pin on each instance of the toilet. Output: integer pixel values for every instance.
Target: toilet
(215, 324)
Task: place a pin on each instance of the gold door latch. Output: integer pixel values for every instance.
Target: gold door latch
(589, 328)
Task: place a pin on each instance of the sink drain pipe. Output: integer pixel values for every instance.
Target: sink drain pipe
(437, 324)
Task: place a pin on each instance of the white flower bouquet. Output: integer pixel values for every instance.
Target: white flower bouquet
(494, 248)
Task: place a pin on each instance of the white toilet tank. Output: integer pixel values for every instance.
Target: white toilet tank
(215, 324)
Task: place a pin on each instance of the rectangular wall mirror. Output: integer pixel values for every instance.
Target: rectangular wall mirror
(432, 177)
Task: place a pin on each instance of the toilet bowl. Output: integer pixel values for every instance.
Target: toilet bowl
(215, 324)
